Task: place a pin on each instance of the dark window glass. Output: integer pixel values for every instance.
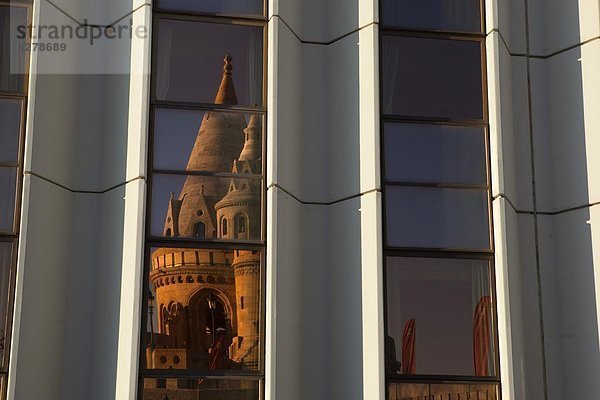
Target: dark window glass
(432, 77)
(181, 201)
(194, 324)
(199, 230)
(439, 318)
(444, 15)
(249, 8)
(437, 218)
(443, 391)
(8, 189)
(191, 63)
(6, 258)
(207, 141)
(240, 223)
(10, 130)
(12, 55)
(434, 154)
(224, 226)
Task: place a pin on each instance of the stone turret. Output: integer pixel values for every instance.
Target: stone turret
(240, 210)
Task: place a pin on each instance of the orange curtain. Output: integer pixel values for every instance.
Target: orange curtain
(481, 335)
(408, 348)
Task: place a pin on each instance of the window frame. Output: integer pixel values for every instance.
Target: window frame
(486, 143)
(178, 16)
(187, 13)
(13, 236)
(430, 30)
(431, 378)
(27, 4)
(476, 254)
(152, 242)
(471, 37)
(144, 372)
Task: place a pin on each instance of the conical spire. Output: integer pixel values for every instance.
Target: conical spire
(226, 93)
(218, 143)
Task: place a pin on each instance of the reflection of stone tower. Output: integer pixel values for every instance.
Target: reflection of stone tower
(217, 208)
(242, 207)
(238, 212)
(218, 143)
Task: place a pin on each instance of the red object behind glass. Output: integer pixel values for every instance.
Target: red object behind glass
(481, 335)
(408, 348)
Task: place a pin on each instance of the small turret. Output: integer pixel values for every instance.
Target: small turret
(252, 141)
(240, 210)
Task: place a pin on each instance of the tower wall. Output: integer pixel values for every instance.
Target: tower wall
(246, 349)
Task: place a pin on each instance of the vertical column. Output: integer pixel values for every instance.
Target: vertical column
(371, 206)
(327, 337)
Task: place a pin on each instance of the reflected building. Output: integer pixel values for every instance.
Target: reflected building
(207, 301)
(442, 391)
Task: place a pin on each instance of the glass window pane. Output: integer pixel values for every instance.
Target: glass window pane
(192, 140)
(13, 58)
(203, 388)
(10, 130)
(195, 319)
(8, 189)
(432, 78)
(440, 317)
(181, 202)
(437, 218)
(192, 65)
(6, 255)
(434, 154)
(248, 8)
(455, 391)
(446, 15)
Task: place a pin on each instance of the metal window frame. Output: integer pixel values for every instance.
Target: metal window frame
(7, 325)
(453, 37)
(477, 254)
(204, 244)
(27, 4)
(190, 373)
(259, 23)
(13, 236)
(240, 16)
(444, 31)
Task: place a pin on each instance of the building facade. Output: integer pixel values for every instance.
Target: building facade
(377, 199)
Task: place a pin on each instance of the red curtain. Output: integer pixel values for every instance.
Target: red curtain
(408, 348)
(481, 335)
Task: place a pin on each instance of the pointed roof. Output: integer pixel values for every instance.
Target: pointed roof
(226, 93)
(252, 145)
(218, 143)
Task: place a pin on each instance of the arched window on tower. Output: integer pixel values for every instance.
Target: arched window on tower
(168, 233)
(199, 230)
(223, 227)
(241, 226)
